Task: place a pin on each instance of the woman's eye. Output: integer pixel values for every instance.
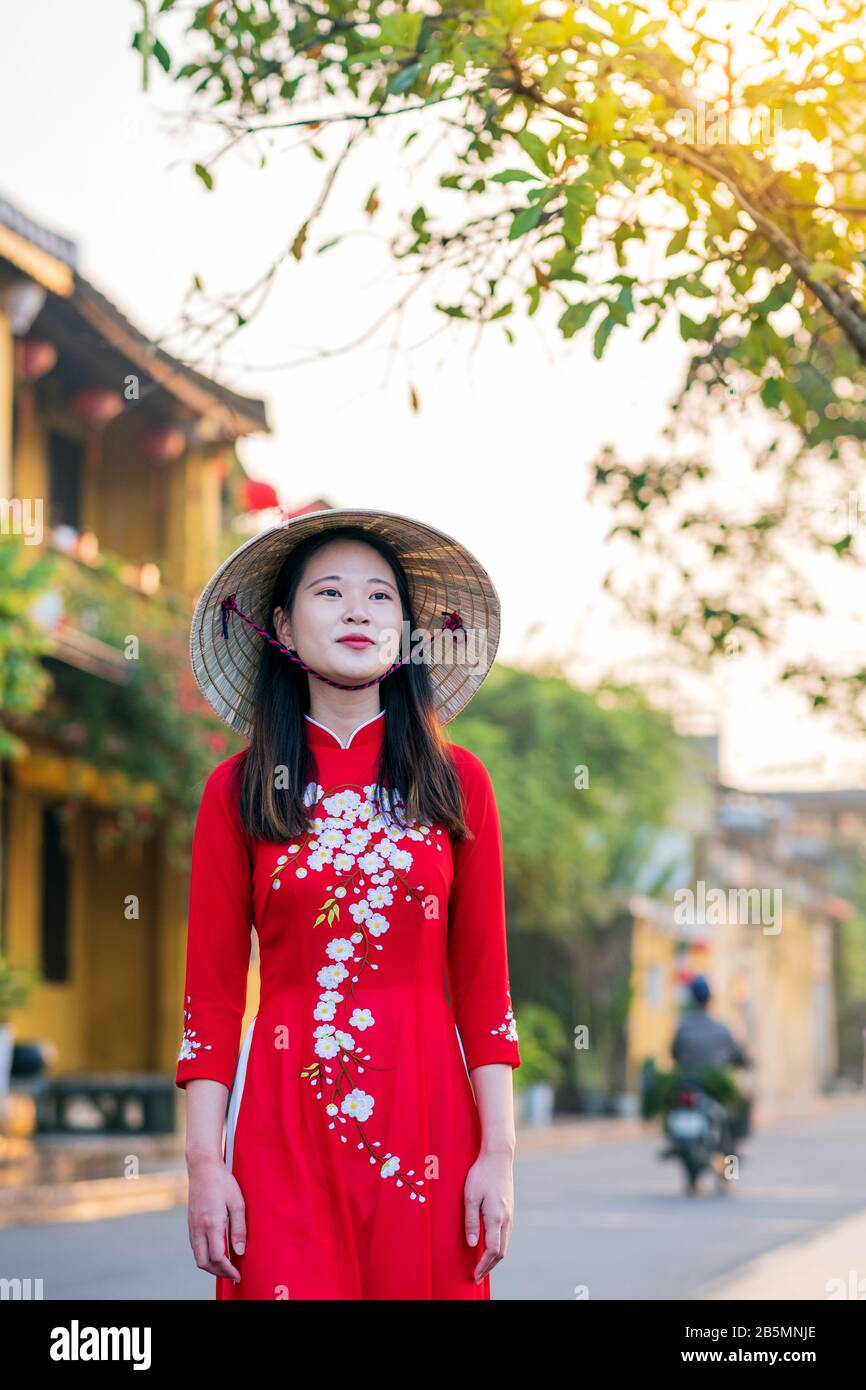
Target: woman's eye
(380, 593)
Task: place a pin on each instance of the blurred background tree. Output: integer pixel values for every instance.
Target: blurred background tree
(586, 785)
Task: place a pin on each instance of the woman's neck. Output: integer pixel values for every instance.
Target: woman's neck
(342, 711)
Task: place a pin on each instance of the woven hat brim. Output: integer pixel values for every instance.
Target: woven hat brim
(442, 574)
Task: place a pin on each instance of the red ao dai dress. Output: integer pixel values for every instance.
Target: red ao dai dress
(351, 1122)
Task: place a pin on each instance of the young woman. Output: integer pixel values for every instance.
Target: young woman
(370, 1132)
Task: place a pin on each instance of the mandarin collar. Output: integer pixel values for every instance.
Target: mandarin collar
(369, 733)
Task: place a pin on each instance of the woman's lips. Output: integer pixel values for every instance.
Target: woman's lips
(355, 642)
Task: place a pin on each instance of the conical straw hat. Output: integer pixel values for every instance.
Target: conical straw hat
(443, 577)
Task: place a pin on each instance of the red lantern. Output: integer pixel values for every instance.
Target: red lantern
(33, 358)
(97, 408)
(258, 497)
(162, 443)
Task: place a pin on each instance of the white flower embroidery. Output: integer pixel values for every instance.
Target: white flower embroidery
(340, 948)
(358, 1104)
(342, 802)
(331, 975)
(369, 863)
(191, 1043)
(328, 1045)
(507, 1029)
(372, 846)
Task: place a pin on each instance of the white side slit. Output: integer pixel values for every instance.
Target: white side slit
(237, 1091)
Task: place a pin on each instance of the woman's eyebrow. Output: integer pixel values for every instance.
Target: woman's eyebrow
(325, 577)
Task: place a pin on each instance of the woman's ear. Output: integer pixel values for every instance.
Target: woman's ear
(282, 627)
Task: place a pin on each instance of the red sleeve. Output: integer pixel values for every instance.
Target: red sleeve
(477, 950)
(218, 935)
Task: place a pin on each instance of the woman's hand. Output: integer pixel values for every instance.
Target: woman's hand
(214, 1195)
(488, 1196)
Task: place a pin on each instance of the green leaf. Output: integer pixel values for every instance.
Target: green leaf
(514, 176)
(581, 194)
(702, 331)
(678, 241)
(161, 54)
(535, 148)
(524, 221)
(573, 222)
(577, 316)
(771, 392)
(602, 333)
(205, 175)
(404, 79)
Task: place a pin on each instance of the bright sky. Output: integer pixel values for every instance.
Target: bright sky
(498, 454)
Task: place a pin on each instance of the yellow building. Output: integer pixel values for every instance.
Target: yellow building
(118, 463)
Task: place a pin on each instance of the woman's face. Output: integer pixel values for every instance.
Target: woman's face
(346, 616)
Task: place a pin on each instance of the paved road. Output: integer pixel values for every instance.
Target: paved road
(611, 1217)
(614, 1219)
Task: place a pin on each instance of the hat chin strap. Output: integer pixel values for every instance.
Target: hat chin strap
(229, 605)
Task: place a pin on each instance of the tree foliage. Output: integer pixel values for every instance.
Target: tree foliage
(622, 164)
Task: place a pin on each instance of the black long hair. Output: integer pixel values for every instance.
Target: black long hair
(415, 758)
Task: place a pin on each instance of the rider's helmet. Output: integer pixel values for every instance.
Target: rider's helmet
(700, 990)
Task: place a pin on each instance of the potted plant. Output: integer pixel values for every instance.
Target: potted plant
(543, 1047)
(15, 988)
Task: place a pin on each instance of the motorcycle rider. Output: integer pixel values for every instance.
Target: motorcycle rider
(704, 1041)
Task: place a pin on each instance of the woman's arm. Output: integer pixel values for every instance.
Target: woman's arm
(219, 935)
(481, 999)
(489, 1192)
(214, 1193)
(217, 964)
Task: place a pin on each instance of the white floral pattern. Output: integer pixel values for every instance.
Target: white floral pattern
(191, 1045)
(508, 1029)
(356, 838)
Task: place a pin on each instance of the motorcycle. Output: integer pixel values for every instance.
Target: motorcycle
(699, 1133)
